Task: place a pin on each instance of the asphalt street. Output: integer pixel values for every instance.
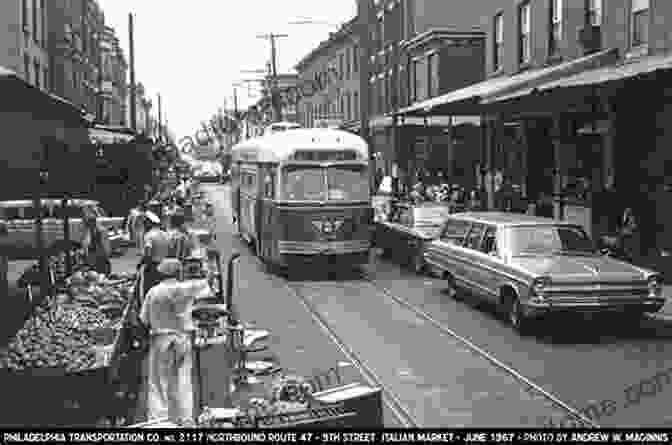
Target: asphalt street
(439, 380)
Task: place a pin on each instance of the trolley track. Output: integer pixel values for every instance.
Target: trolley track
(401, 412)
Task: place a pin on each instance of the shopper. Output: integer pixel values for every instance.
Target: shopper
(96, 244)
(166, 311)
(156, 249)
(182, 242)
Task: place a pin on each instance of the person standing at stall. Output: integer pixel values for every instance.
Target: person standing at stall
(96, 244)
(182, 242)
(166, 311)
(156, 249)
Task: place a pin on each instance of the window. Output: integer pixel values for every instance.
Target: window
(524, 43)
(498, 42)
(549, 240)
(420, 79)
(43, 22)
(342, 110)
(341, 66)
(555, 31)
(46, 82)
(474, 236)
(640, 22)
(433, 68)
(269, 185)
(356, 105)
(381, 95)
(455, 231)
(595, 12)
(347, 107)
(489, 244)
(347, 183)
(25, 16)
(38, 73)
(35, 23)
(26, 68)
(355, 59)
(348, 66)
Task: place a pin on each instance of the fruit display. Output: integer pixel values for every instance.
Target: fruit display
(50, 340)
(62, 334)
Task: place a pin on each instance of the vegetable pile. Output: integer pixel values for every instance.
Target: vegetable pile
(62, 335)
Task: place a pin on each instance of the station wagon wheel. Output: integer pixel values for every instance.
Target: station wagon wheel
(418, 263)
(452, 289)
(515, 315)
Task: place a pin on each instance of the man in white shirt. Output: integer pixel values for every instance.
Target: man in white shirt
(157, 245)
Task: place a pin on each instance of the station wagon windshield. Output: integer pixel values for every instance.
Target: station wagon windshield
(337, 183)
(549, 240)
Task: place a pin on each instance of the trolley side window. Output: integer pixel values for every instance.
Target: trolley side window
(269, 184)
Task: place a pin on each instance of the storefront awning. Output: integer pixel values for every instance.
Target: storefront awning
(99, 136)
(600, 76)
(470, 100)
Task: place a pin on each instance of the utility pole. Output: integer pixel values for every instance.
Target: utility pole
(235, 102)
(365, 16)
(275, 94)
(131, 52)
(160, 119)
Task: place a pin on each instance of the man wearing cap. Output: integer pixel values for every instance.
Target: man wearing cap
(166, 311)
(156, 249)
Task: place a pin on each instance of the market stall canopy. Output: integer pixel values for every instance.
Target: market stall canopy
(470, 100)
(65, 109)
(627, 69)
(105, 136)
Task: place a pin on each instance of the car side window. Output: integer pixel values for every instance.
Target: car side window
(454, 231)
(474, 236)
(10, 213)
(489, 244)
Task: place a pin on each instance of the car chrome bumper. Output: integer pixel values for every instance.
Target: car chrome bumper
(323, 247)
(646, 304)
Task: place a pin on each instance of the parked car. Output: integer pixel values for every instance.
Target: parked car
(405, 236)
(20, 218)
(531, 266)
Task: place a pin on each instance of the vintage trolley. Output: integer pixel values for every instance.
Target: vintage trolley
(303, 197)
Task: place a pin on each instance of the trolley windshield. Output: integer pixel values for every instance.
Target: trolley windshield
(336, 183)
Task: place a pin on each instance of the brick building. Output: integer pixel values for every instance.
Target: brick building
(421, 49)
(23, 40)
(329, 81)
(113, 86)
(75, 30)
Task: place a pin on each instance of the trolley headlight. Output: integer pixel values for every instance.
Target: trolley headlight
(539, 286)
(655, 284)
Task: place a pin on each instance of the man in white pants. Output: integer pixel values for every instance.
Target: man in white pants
(167, 312)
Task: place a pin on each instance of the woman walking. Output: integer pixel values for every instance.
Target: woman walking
(96, 244)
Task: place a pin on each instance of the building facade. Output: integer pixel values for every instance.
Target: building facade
(75, 30)
(421, 49)
(145, 122)
(113, 86)
(329, 81)
(574, 132)
(23, 40)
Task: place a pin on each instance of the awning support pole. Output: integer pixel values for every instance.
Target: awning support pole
(557, 182)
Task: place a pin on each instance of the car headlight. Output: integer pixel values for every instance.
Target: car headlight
(539, 286)
(655, 283)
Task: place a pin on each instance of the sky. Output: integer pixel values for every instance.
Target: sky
(192, 52)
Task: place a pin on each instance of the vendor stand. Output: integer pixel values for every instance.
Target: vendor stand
(259, 394)
(60, 361)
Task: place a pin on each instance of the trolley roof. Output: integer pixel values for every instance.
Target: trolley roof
(279, 147)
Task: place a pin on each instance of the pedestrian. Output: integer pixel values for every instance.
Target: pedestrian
(95, 243)
(630, 235)
(182, 242)
(166, 312)
(156, 249)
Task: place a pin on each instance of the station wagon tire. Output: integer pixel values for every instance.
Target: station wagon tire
(514, 314)
(418, 264)
(451, 289)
